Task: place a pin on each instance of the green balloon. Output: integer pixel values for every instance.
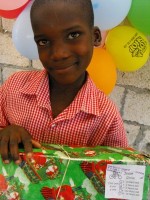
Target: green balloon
(139, 15)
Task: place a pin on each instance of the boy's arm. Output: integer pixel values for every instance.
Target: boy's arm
(12, 135)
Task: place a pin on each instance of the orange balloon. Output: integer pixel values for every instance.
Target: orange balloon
(102, 70)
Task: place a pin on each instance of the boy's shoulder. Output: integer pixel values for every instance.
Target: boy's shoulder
(103, 102)
(27, 75)
(23, 80)
(22, 77)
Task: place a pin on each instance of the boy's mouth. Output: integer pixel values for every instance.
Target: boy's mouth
(64, 68)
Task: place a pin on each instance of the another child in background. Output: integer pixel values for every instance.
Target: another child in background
(60, 104)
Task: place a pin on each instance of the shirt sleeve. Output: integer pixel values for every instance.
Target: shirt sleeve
(3, 104)
(116, 134)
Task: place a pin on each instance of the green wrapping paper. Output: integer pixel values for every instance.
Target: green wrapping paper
(76, 173)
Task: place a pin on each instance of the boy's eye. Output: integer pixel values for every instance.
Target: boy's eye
(73, 35)
(42, 42)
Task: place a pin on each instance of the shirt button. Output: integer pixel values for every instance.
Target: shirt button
(53, 125)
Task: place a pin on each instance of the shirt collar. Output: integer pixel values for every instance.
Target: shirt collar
(90, 103)
(87, 99)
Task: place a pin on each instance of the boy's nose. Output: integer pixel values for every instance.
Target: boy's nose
(59, 52)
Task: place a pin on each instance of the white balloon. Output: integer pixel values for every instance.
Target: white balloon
(110, 13)
(22, 35)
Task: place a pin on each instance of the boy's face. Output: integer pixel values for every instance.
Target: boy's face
(64, 39)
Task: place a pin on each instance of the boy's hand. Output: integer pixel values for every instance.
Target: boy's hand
(10, 138)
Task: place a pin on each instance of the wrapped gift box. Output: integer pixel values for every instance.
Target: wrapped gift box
(77, 173)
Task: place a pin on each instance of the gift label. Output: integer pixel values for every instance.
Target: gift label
(124, 181)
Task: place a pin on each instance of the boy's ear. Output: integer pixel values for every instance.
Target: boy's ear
(97, 36)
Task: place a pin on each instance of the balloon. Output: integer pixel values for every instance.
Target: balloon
(139, 15)
(128, 46)
(10, 14)
(22, 35)
(110, 13)
(12, 4)
(102, 70)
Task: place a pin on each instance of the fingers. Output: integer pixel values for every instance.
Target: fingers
(25, 139)
(10, 139)
(36, 144)
(27, 143)
(4, 149)
(9, 150)
(13, 147)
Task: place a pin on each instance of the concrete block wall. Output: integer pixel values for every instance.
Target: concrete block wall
(131, 93)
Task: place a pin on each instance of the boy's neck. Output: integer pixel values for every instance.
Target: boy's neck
(61, 96)
(76, 86)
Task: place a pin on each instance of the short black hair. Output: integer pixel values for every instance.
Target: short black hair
(86, 6)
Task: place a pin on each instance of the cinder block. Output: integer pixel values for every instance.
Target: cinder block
(145, 143)
(36, 64)
(117, 95)
(9, 54)
(139, 78)
(132, 133)
(137, 107)
(7, 24)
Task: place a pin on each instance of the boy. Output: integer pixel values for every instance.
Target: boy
(60, 104)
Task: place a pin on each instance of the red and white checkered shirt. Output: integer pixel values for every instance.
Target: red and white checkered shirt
(91, 119)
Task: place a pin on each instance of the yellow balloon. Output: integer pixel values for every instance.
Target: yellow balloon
(102, 70)
(128, 47)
